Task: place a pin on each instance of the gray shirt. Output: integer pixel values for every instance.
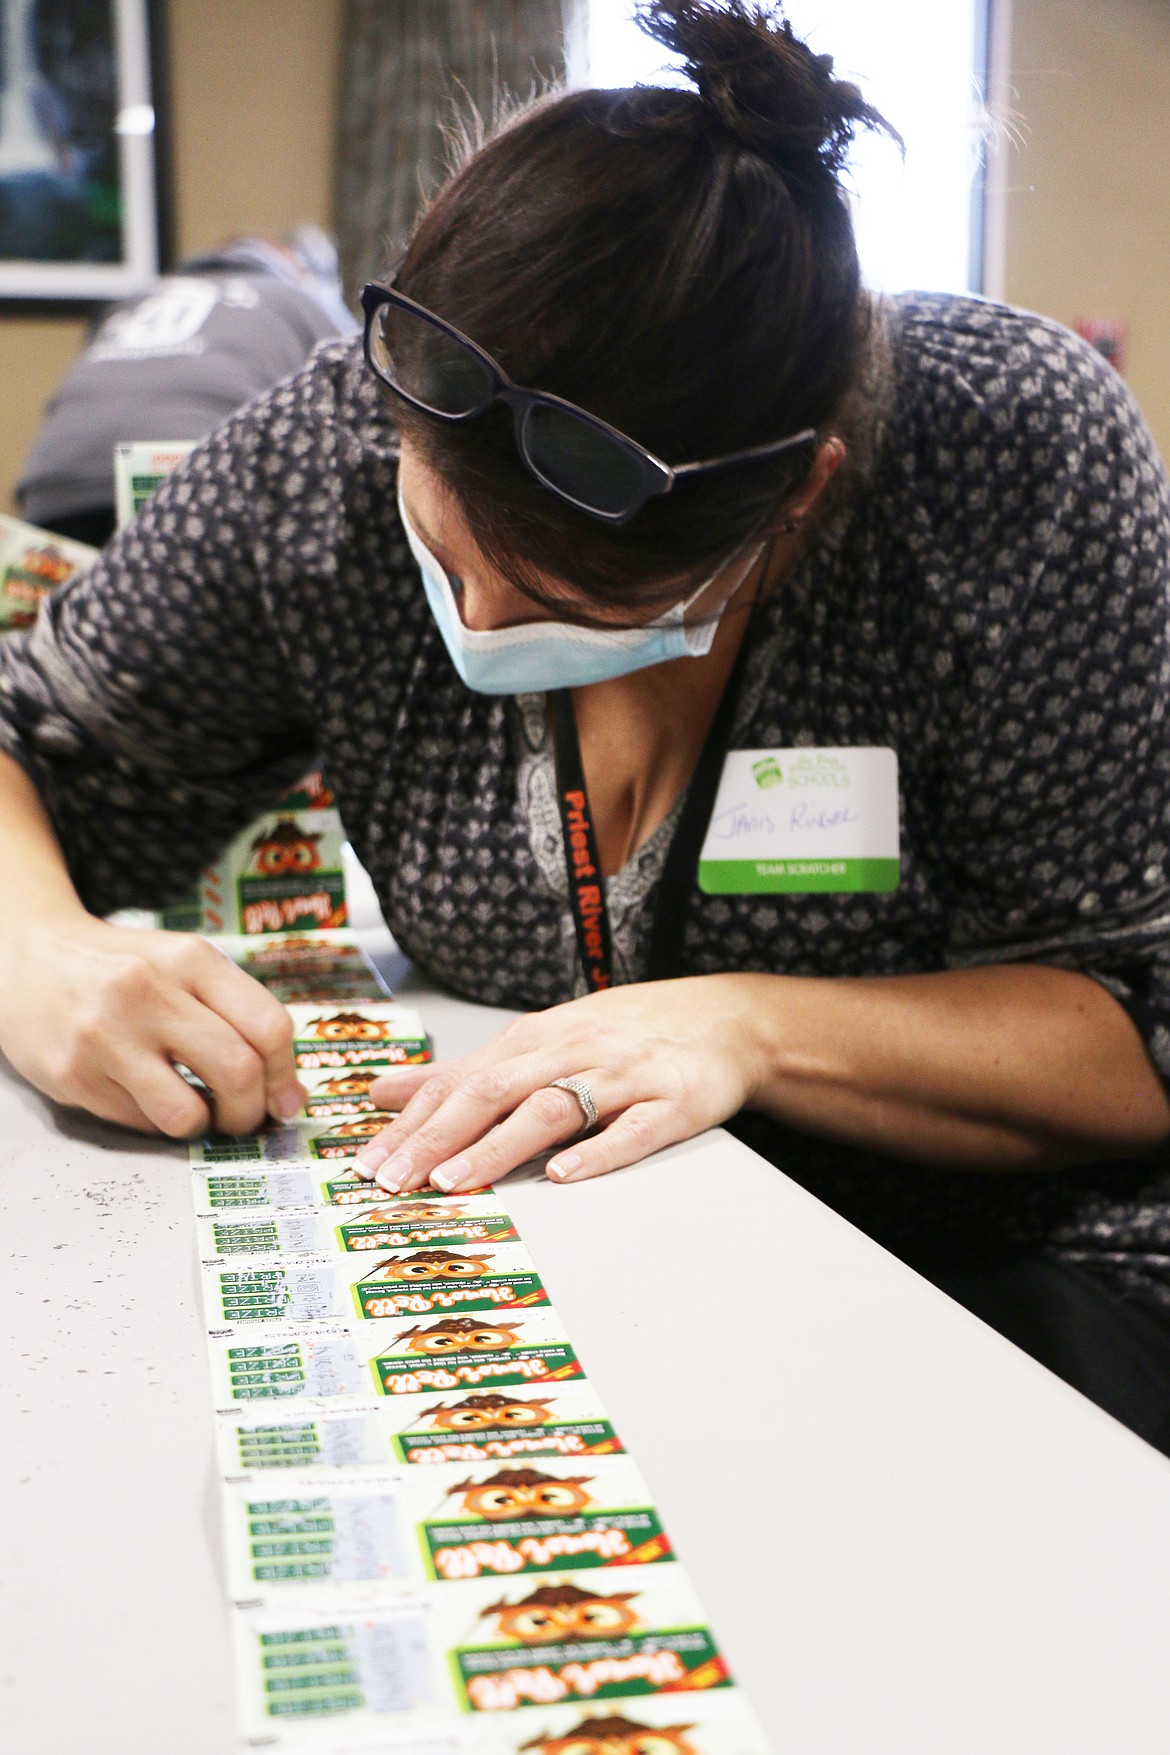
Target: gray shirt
(172, 365)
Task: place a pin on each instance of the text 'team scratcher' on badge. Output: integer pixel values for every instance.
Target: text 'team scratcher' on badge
(802, 822)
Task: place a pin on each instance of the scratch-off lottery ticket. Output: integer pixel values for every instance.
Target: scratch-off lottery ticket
(391, 1224)
(34, 562)
(476, 1426)
(445, 1524)
(273, 1362)
(403, 1282)
(567, 1668)
(245, 1185)
(335, 1038)
(296, 1142)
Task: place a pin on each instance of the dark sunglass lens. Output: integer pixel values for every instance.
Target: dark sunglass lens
(581, 460)
(427, 364)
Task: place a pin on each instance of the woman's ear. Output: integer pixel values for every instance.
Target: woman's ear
(826, 463)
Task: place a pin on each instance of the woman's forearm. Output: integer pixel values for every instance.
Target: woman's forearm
(1018, 1065)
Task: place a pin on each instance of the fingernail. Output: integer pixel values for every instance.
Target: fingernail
(559, 1168)
(287, 1106)
(451, 1175)
(395, 1171)
(370, 1157)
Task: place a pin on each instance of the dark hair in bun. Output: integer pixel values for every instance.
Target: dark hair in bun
(680, 262)
(767, 87)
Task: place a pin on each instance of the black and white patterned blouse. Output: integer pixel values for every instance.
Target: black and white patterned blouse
(991, 600)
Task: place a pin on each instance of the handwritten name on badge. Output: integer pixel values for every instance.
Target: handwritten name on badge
(801, 821)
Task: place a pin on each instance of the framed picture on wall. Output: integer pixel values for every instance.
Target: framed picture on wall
(80, 161)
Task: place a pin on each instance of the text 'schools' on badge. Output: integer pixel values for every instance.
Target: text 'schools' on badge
(799, 821)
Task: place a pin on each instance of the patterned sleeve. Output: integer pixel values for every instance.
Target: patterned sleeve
(1057, 767)
(152, 703)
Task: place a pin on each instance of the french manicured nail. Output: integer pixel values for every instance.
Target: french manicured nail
(451, 1175)
(394, 1172)
(288, 1105)
(559, 1168)
(370, 1157)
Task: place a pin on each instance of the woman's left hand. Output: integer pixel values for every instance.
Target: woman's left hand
(663, 1060)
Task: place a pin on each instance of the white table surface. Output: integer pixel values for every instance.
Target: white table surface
(909, 1537)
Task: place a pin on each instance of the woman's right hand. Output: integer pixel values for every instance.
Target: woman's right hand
(96, 1016)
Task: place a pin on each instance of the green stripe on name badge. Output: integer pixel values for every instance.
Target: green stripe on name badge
(795, 877)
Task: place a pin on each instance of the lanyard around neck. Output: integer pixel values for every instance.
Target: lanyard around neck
(676, 887)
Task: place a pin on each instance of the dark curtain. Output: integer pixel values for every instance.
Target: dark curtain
(408, 69)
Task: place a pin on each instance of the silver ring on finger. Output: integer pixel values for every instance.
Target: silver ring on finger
(584, 1096)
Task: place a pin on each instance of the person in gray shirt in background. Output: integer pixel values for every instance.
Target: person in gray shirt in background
(175, 362)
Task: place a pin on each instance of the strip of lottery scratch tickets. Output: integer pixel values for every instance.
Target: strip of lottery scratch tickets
(422, 1489)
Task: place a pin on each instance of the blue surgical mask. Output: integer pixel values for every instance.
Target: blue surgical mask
(533, 657)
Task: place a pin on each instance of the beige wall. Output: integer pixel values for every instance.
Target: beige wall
(253, 97)
(1088, 205)
(1086, 224)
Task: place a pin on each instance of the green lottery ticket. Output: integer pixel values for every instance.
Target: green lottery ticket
(338, 1093)
(402, 1283)
(266, 1362)
(574, 1636)
(469, 1426)
(242, 1185)
(438, 1281)
(392, 1224)
(562, 1668)
(281, 874)
(140, 467)
(34, 562)
(501, 1350)
(443, 1524)
(338, 1039)
(296, 1142)
(279, 881)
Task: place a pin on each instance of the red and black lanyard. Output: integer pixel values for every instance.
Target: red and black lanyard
(676, 887)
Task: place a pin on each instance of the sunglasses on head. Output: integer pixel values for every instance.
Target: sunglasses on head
(584, 460)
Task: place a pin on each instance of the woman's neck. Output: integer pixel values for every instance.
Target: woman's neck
(641, 735)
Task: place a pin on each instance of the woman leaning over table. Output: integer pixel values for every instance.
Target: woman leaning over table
(948, 540)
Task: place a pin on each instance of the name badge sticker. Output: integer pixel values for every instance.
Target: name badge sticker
(803, 821)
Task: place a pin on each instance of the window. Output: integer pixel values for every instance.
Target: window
(923, 63)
